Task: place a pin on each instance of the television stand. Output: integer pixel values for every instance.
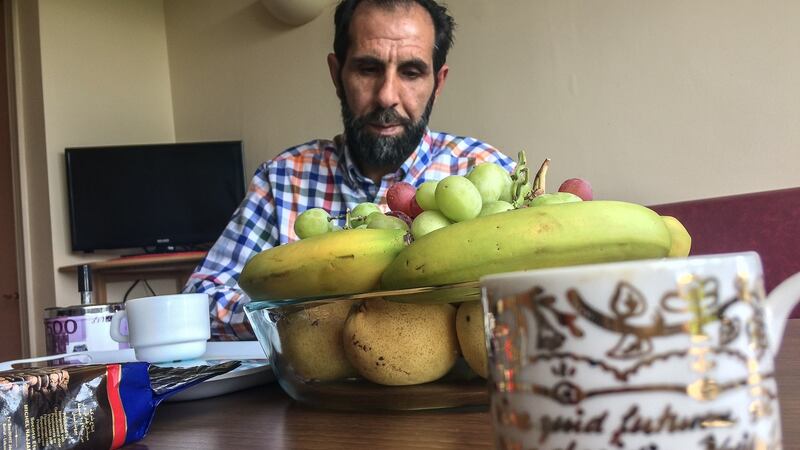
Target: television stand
(176, 266)
(163, 255)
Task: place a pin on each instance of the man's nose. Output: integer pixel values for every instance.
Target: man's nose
(388, 92)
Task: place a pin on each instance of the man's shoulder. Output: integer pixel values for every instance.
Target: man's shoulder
(465, 147)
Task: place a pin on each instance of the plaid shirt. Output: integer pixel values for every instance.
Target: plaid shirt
(318, 174)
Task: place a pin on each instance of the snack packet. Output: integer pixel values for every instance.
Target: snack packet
(88, 406)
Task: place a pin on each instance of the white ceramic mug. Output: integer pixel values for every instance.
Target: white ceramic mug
(656, 354)
(165, 327)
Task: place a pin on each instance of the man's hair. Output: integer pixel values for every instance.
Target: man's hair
(443, 25)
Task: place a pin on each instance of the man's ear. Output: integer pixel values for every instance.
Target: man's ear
(441, 76)
(334, 68)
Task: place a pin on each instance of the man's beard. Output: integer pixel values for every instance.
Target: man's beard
(373, 150)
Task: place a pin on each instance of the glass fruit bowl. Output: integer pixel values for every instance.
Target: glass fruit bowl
(410, 349)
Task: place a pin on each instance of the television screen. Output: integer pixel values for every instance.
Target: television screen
(160, 196)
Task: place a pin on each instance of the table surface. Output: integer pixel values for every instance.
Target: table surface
(264, 417)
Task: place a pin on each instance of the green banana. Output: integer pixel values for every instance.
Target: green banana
(340, 262)
(530, 238)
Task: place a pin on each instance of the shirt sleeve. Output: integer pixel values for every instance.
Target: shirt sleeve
(252, 229)
(493, 155)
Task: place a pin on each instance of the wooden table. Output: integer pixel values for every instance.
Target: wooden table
(177, 266)
(264, 417)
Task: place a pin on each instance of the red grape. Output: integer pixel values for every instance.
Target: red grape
(414, 209)
(577, 186)
(399, 197)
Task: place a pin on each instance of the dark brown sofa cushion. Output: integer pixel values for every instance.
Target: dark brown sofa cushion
(766, 222)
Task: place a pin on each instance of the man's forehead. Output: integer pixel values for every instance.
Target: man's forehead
(407, 24)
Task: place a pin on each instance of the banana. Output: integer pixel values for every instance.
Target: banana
(340, 262)
(681, 240)
(529, 238)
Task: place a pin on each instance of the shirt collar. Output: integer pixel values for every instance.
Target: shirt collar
(352, 176)
(418, 159)
(413, 165)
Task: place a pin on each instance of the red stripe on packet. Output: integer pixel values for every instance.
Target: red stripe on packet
(117, 410)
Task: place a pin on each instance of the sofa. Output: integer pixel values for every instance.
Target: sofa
(767, 222)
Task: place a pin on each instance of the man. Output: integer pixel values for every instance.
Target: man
(388, 68)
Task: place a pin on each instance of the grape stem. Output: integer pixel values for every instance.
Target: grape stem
(519, 179)
(539, 181)
(347, 218)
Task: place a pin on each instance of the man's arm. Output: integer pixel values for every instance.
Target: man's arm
(252, 228)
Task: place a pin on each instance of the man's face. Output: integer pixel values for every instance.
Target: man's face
(387, 84)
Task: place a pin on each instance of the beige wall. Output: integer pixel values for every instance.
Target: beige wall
(105, 80)
(238, 73)
(651, 101)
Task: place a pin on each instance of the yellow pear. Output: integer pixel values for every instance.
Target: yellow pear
(470, 331)
(311, 342)
(399, 344)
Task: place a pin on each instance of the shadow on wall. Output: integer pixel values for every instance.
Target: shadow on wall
(295, 12)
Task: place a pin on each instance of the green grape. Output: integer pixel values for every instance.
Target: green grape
(492, 181)
(458, 199)
(495, 207)
(360, 213)
(382, 221)
(428, 221)
(312, 222)
(372, 216)
(505, 196)
(554, 199)
(426, 195)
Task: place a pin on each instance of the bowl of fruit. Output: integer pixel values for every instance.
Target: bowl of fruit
(384, 312)
(378, 351)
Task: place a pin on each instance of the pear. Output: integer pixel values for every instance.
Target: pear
(311, 342)
(400, 344)
(470, 331)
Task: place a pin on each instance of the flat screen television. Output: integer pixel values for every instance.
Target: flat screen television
(159, 197)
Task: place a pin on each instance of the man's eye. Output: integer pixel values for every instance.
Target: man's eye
(412, 74)
(368, 70)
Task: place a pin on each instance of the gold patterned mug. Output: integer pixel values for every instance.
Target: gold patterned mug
(648, 355)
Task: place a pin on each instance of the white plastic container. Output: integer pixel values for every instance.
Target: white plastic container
(81, 328)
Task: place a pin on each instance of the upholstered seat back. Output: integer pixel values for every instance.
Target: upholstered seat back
(766, 222)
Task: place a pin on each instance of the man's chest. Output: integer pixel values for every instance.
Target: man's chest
(336, 193)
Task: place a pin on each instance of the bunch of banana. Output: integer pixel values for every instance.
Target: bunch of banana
(529, 238)
(341, 262)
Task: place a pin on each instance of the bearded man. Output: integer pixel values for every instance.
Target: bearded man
(388, 68)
